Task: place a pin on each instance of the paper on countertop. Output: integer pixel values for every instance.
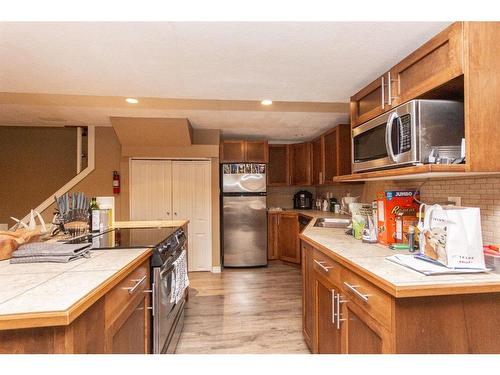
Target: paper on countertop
(428, 268)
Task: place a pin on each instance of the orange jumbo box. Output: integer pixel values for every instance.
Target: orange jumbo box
(390, 205)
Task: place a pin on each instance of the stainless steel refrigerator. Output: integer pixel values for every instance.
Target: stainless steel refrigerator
(244, 215)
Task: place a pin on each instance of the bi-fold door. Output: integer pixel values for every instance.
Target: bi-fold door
(176, 190)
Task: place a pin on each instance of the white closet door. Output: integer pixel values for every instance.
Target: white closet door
(150, 190)
(191, 199)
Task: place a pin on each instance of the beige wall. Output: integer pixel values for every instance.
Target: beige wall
(34, 163)
(99, 181)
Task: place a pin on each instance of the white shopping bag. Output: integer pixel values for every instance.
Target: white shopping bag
(452, 236)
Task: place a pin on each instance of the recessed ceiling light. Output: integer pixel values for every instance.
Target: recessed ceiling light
(132, 100)
(266, 102)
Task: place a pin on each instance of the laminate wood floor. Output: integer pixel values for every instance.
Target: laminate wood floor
(252, 310)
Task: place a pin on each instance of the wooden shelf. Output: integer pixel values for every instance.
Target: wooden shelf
(412, 173)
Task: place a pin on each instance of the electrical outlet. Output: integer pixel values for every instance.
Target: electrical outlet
(457, 201)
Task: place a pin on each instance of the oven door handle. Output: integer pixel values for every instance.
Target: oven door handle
(388, 136)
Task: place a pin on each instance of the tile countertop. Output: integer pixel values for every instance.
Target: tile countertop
(150, 223)
(369, 261)
(47, 294)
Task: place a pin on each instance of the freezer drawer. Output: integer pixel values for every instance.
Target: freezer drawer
(244, 231)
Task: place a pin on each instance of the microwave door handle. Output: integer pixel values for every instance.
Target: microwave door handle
(388, 136)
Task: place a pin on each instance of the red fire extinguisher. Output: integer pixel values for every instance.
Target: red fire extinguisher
(116, 182)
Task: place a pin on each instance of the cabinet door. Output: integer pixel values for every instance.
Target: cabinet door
(256, 152)
(300, 156)
(132, 336)
(150, 190)
(232, 151)
(435, 63)
(192, 200)
(308, 295)
(370, 102)
(278, 169)
(344, 159)
(288, 237)
(272, 236)
(362, 334)
(317, 161)
(328, 334)
(331, 154)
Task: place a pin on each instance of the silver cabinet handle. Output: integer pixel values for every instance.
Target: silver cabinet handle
(137, 284)
(357, 293)
(325, 268)
(333, 306)
(338, 302)
(152, 307)
(383, 93)
(389, 88)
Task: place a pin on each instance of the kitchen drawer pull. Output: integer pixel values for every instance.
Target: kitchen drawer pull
(357, 293)
(137, 284)
(325, 268)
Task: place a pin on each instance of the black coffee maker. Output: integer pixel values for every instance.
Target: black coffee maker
(303, 200)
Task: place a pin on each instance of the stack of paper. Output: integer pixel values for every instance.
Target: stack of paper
(427, 267)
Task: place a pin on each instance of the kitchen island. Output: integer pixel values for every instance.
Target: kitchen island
(356, 301)
(99, 304)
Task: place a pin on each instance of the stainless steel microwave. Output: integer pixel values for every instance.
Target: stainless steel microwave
(411, 134)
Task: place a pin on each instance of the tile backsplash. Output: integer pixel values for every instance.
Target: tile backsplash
(282, 196)
(482, 192)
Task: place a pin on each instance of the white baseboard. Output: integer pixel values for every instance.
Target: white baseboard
(216, 269)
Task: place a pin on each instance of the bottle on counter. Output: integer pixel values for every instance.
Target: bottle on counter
(94, 216)
(324, 205)
(411, 238)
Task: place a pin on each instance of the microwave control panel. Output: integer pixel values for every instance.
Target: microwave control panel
(404, 133)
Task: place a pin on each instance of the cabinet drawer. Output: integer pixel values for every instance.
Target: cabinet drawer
(326, 267)
(122, 295)
(364, 294)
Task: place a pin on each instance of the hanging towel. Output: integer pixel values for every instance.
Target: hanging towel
(181, 280)
(37, 252)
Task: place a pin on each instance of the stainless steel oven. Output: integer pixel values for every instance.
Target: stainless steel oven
(413, 133)
(168, 314)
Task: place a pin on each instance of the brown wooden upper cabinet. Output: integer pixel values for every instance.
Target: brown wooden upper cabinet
(278, 168)
(331, 155)
(300, 163)
(318, 166)
(437, 62)
(370, 101)
(240, 151)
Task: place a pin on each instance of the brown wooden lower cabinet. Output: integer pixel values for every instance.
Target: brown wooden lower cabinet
(118, 322)
(308, 293)
(283, 236)
(345, 313)
(328, 336)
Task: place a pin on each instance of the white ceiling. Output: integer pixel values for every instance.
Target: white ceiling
(320, 62)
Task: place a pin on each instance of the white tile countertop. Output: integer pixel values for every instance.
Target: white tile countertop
(41, 290)
(369, 261)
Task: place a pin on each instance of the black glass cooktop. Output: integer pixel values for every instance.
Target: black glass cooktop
(127, 238)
